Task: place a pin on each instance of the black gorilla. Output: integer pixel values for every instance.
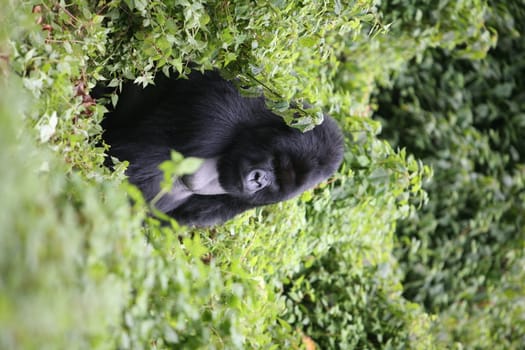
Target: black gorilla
(251, 157)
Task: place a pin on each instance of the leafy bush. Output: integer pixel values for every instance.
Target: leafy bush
(81, 267)
(343, 306)
(66, 246)
(134, 286)
(463, 253)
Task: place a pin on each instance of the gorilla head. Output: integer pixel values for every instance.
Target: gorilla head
(251, 157)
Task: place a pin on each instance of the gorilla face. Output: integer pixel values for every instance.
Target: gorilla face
(251, 157)
(274, 165)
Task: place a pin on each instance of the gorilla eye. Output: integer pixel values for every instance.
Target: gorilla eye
(256, 180)
(285, 171)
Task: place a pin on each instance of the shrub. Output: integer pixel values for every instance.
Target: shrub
(343, 306)
(465, 118)
(81, 267)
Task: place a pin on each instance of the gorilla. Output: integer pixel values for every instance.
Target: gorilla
(251, 157)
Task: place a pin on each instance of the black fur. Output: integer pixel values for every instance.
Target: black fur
(205, 116)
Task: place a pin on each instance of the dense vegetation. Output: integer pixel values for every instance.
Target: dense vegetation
(462, 254)
(365, 261)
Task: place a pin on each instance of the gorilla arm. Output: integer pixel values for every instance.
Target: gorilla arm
(144, 172)
(205, 180)
(203, 211)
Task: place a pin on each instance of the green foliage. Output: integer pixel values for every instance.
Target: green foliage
(82, 267)
(463, 253)
(66, 246)
(245, 39)
(53, 59)
(182, 300)
(404, 29)
(458, 25)
(345, 307)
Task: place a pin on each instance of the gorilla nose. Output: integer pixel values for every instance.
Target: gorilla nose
(257, 180)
